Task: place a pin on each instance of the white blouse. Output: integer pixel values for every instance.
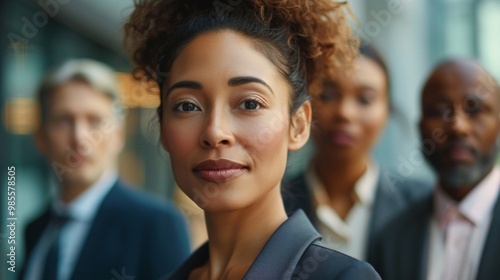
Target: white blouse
(348, 236)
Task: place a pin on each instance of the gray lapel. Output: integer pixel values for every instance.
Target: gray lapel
(283, 250)
(414, 247)
(388, 202)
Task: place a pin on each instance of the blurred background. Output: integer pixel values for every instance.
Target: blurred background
(413, 35)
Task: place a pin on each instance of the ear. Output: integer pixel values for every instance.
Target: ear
(300, 127)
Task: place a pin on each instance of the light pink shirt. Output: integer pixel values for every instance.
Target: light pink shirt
(459, 230)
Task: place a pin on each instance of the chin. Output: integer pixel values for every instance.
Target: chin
(222, 206)
(462, 176)
(214, 198)
(81, 177)
(221, 203)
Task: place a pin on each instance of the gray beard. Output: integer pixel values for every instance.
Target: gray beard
(462, 175)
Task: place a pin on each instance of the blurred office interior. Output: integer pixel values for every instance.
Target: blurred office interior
(413, 35)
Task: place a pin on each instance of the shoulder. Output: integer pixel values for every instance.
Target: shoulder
(40, 219)
(319, 261)
(133, 203)
(407, 188)
(38, 223)
(417, 215)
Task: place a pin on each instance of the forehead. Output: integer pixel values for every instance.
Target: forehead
(454, 82)
(79, 97)
(365, 71)
(221, 55)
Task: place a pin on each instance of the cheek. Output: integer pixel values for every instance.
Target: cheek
(487, 131)
(114, 144)
(264, 138)
(322, 114)
(178, 139)
(373, 121)
(57, 142)
(323, 118)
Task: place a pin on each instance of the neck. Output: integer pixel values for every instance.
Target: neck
(68, 193)
(339, 176)
(237, 237)
(455, 193)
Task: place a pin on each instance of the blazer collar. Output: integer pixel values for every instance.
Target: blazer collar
(278, 258)
(99, 230)
(489, 259)
(282, 252)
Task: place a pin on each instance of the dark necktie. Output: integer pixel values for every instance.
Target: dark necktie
(52, 258)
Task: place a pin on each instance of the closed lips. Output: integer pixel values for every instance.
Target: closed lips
(340, 137)
(218, 171)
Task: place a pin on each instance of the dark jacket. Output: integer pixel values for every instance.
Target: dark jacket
(294, 251)
(132, 234)
(393, 195)
(402, 248)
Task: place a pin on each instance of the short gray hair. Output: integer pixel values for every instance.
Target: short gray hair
(96, 74)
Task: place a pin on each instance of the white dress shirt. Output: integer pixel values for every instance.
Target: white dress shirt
(81, 211)
(348, 236)
(459, 230)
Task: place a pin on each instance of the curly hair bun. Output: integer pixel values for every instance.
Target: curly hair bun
(318, 31)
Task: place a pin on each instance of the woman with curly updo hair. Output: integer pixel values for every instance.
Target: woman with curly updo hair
(234, 80)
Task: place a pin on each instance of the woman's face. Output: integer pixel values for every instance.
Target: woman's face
(351, 112)
(226, 122)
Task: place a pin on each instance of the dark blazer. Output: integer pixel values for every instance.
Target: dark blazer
(294, 251)
(402, 248)
(393, 195)
(132, 234)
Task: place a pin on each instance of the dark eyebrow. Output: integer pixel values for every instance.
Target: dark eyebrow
(184, 84)
(238, 81)
(367, 87)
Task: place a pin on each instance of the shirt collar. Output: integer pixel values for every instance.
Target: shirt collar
(364, 188)
(477, 205)
(86, 204)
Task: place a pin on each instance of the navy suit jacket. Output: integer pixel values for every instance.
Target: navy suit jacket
(132, 234)
(393, 195)
(403, 246)
(294, 251)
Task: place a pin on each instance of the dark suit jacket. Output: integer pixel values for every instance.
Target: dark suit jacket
(402, 248)
(294, 251)
(132, 234)
(393, 195)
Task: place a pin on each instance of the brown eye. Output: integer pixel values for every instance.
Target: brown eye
(365, 100)
(250, 105)
(63, 121)
(328, 95)
(472, 106)
(186, 107)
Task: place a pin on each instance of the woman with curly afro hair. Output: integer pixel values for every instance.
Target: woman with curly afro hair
(234, 79)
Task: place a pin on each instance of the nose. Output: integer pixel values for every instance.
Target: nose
(218, 130)
(79, 131)
(460, 124)
(345, 110)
